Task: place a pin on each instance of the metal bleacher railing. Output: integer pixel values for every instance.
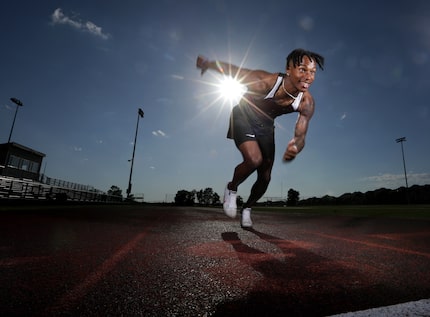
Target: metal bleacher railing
(51, 189)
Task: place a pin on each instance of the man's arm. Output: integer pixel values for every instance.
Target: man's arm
(255, 80)
(296, 145)
(221, 67)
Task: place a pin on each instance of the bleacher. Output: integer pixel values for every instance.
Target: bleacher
(26, 189)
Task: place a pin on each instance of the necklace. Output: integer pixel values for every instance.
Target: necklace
(294, 97)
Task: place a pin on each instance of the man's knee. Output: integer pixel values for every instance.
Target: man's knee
(254, 162)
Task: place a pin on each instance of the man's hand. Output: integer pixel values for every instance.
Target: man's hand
(291, 151)
(202, 63)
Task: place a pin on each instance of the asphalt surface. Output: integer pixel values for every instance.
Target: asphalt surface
(164, 261)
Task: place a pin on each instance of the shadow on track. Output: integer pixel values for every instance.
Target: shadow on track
(297, 282)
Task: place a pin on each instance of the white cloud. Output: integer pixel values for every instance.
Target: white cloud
(169, 57)
(179, 77)
(343, 117)
(58, 17)
(96, 30)
(159, 133)
(7, 107)
(398, 180)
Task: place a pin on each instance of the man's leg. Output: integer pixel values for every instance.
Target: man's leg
(252, 159)
(257, 191)
(261, 184)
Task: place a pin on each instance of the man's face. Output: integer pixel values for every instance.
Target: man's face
(302, 75)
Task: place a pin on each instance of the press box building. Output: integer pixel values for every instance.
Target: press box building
(19, 161)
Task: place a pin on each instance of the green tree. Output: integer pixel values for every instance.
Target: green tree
(185, 198)
(114, 191)
(199, 196)
(293, 197)
(207, 197)
(216, 199)
(239, 200)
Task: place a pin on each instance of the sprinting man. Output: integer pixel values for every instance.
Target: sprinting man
(268, 96)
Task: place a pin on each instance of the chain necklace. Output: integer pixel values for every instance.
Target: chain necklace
(294, 97)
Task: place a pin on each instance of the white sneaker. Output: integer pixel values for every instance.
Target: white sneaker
(246, 221)
(229, 205)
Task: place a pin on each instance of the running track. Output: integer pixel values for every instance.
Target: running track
(153, 261)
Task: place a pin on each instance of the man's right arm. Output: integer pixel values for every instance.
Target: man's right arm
(221, 67)
(253, 79)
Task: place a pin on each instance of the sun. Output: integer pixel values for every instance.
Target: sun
(230, 89)
(224, 92)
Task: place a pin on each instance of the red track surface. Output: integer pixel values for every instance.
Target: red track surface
(150, 261)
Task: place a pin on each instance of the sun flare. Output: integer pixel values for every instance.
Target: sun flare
(230, 89)
(223, 92)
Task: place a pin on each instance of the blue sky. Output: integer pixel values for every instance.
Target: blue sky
(83, 68)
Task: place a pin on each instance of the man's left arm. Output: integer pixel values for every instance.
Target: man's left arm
(296, 145)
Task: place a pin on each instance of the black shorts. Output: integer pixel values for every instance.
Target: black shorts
(244, 126)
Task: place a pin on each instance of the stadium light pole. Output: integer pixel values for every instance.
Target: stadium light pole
(18, 104)
(140, 114)
(401, 140)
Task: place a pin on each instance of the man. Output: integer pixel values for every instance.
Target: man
(268, 96)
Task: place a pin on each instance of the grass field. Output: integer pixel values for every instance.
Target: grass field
(397, 211)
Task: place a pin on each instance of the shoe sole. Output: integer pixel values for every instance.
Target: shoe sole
(230, 213)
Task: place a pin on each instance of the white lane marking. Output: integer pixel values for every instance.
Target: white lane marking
(411, 309)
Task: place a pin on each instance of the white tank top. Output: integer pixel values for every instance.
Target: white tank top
(278, 83)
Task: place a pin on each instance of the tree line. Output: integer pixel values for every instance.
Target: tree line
(417, 194)
(207, 197)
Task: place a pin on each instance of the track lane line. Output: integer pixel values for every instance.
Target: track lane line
(80, 290)
(371, 244)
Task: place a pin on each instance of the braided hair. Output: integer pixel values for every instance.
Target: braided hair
(296, 56)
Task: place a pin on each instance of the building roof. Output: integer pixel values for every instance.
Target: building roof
(22, 147)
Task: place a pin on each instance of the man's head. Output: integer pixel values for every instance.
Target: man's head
(296, 58)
